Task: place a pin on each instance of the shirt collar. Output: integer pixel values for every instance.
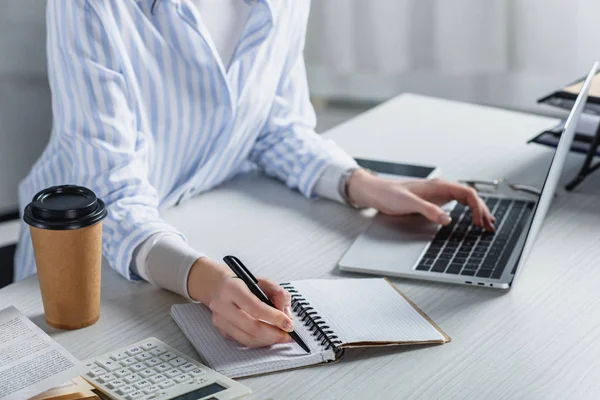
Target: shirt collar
(271, 4)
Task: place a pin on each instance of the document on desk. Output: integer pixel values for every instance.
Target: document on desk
(30, 361)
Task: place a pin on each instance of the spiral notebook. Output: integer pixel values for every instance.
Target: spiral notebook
(329, 315)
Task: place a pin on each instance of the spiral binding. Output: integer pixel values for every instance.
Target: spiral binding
(315, 324)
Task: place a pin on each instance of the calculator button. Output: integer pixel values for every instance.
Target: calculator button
(96, 371)
(118, 356)
(147, 372)
(122, 372)
(157, 352)
(196, 372)
(153, 362)
(108, 364)
(182, 378)
(125, 389)
(148, 346)
(115, 384)
(166, 384)
(143, 357)
(135, 395)
(132, 378)
(132, 351)
(162, 367)
(188, 366)
(177, 361)
(137, 367)
(151, 389)
(172, 372)
(128, 361)
(106, 378)
(167, 356)
(142, 384)
(158, 378)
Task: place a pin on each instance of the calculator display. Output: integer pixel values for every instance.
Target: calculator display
(202, 392)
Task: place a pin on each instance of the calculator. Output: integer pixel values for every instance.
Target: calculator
(152, 370)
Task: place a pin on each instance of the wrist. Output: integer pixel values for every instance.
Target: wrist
(205, 279)
(362, 187)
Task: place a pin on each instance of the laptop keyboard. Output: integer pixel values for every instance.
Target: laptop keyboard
(462, 248)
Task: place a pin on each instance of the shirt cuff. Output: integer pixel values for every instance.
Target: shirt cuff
(165, 260)
(328, 183)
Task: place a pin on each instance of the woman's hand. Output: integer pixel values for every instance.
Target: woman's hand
(236, 312)
(416, 196)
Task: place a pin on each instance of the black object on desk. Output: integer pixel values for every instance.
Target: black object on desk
(590, 145)
(246, 276)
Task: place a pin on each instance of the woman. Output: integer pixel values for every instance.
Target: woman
(157, 101)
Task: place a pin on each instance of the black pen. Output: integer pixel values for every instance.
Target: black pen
(246, 276)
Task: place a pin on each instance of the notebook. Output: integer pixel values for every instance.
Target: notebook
(329, 316)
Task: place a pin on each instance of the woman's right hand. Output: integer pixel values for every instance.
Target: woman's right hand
(236, 312)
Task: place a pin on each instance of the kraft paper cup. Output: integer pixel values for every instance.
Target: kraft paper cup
(66, 232)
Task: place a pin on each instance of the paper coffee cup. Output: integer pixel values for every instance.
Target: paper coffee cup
(66, 231)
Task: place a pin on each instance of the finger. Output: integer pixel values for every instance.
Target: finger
(428, 210)
(236, 333)
(248, 302)
(469, 197)
(225, 334)
(257, 329)
(488, 218)
(278, 295)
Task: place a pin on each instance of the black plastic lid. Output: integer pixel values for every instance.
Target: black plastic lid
(64, 207)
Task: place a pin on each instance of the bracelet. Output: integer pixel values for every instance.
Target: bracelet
(343, 185)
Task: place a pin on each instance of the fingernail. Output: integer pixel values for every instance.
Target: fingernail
(288, 312)
(445, 219)
(288, 326)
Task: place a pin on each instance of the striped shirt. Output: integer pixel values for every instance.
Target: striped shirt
(146, 115)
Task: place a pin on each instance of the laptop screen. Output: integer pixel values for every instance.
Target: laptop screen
(556, 167)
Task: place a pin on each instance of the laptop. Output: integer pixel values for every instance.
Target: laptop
(461, 253)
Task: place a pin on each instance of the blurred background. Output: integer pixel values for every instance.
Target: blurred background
(504, 53)
(358, 53)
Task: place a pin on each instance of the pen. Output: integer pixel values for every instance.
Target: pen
(246, 276)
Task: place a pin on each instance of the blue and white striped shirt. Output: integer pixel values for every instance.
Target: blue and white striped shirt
(146, 115)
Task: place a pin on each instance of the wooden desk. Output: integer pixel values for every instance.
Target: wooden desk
(537, 341)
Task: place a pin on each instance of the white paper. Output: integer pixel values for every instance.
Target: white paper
(30, 361)
(236, 360)
(366, 310)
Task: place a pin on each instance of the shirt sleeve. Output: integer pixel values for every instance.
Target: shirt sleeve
(165, 260)
(327, 185)
(288, 147)
(98, 129)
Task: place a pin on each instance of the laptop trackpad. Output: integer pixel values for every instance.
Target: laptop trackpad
(391, 244)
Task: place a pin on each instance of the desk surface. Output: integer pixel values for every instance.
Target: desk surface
(539, 340)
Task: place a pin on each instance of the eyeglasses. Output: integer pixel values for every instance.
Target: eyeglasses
(489, 186)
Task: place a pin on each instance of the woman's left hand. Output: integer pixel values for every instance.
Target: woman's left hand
(422, 196)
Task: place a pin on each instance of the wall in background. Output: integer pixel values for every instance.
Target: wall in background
(25, 111)
(501, 52)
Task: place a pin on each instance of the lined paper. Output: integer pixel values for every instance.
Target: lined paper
(236, 360)
(367, 310)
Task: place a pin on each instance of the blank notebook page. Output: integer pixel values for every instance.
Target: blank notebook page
(367, 310)
(235, 360)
